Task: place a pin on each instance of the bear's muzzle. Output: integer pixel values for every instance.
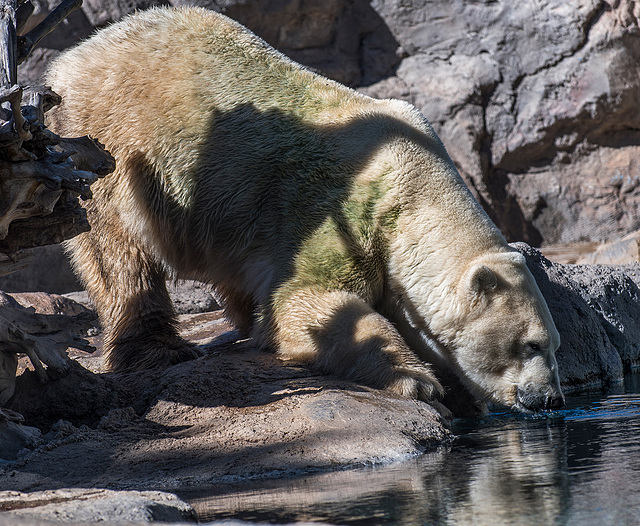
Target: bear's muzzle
(530, 399)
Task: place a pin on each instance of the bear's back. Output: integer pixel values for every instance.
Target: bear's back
(220, 140)
(191, 90)
(172, 69)
(236, 137)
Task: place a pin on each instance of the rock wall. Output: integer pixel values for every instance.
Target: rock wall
(536, 101)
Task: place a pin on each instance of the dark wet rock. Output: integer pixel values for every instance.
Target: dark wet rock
(596, 309)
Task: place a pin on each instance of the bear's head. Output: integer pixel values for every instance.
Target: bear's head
(486, 322)
(505, 341)
(462, 297)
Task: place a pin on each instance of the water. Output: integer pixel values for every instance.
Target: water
(578, 466)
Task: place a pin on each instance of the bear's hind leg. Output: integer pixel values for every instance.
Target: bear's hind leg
(129, 290)
(340, 334)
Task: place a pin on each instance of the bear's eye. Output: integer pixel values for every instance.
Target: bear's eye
(533, 348)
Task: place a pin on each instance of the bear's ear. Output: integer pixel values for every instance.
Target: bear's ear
(482, 279)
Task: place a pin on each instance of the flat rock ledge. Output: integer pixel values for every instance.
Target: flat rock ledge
(236, 414)
(92, 506)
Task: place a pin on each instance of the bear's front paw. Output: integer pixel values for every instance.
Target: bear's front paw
(419, 384)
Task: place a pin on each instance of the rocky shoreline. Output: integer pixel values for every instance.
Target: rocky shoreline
(239, 414)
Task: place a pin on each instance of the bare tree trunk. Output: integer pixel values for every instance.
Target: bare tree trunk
(42, 177)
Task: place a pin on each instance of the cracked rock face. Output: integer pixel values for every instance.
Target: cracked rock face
(536, 101)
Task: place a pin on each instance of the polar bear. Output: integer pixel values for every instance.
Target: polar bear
(333, 226)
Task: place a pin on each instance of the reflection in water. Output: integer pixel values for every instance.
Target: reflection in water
(578, 466)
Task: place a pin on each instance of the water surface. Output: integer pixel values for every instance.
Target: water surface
(577, 466)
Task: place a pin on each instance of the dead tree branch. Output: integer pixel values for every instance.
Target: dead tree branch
(44, 338)
(31, 39)
(42, 176)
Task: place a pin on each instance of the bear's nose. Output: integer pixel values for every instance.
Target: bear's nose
(554, 402)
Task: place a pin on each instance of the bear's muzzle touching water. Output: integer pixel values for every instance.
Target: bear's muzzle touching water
(334, 227)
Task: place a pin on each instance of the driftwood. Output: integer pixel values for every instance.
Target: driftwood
(31, 39)
(44, 338)
(42, 177)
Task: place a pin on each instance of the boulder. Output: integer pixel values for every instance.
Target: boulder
(596, 309)
(235, 414)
